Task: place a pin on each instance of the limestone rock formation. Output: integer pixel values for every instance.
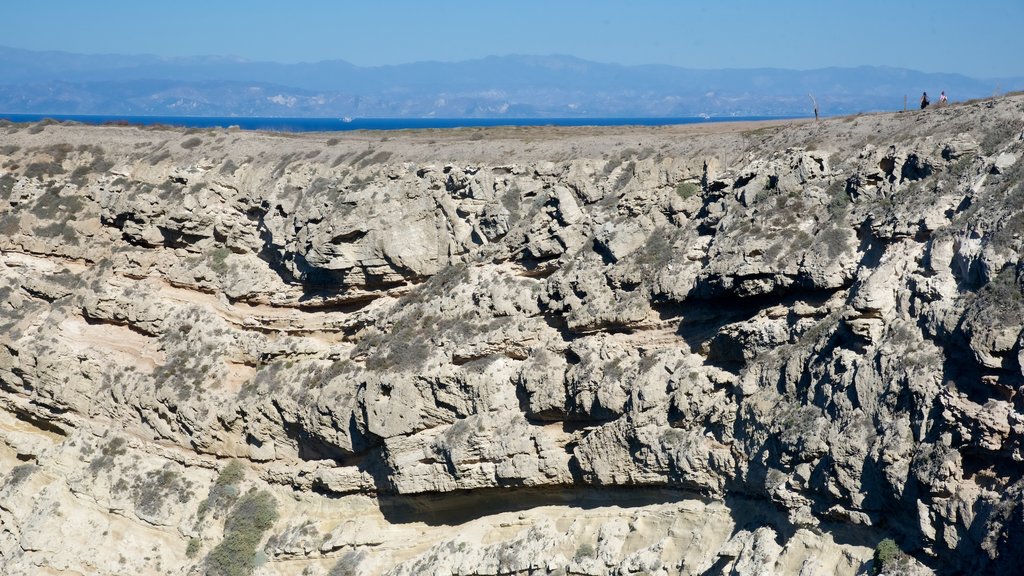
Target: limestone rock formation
(736, 349)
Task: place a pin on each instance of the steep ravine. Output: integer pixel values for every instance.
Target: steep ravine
(729, 349)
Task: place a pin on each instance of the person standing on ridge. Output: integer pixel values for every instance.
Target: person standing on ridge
(942, 98)
(924, 100)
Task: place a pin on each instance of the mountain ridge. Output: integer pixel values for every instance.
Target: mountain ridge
(492, 86)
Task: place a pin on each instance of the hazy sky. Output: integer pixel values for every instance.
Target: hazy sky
(980, 38)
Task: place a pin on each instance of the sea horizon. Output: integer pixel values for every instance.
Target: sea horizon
(313, 124)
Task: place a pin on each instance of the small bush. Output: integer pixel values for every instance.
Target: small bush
(194, 545)
(40, 170)
(191, 143)
(152, 491)
(997, 136)
(158, 158)
(839, 199)
(218, 260)
(100, 165)
(7, 182)
(79, 176)
(585, 550)
(250, 518)
(117, 446)
(61, 229)
(687, 189)
(225, 489)
(41, 125)
(233, 473)
(889, 557)
(20, 473)
(52, 206)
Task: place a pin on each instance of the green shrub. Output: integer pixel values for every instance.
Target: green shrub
(218, 259)
(152, 491)
(117, 446)
(51, 205)
(889, 558)
(62, 229)
(233, 473)
(158, 158)
(687, 189)
(41, 125)
(40, 170)
(7, 182)
(838, 198)
(250, 518)
(20, 473)
(101, 165)
(194, 545)
(585, 550)
(79, 176)
(224, 490)
(10, 224)
(191, 143)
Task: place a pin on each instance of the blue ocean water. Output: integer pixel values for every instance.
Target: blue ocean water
(342, 124)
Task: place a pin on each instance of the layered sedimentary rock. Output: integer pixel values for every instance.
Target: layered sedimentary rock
(744, 349)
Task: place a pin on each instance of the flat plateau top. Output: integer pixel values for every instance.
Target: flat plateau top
(530, 144)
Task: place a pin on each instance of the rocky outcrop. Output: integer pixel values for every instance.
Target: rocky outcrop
(754, 349)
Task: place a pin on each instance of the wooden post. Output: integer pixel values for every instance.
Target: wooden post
(904, 102)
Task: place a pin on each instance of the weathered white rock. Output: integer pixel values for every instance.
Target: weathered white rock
(700, 354)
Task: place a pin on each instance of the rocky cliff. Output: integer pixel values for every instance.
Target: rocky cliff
(727, 349)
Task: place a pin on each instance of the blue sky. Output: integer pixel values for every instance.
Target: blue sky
(978, 38)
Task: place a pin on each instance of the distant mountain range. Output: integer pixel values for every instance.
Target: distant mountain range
(497, 86)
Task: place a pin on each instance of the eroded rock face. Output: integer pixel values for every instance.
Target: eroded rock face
(756, 351)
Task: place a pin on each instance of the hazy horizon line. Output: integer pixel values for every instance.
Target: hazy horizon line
(510, 55)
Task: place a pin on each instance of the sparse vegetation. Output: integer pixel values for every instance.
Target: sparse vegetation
(51, 205)
(997, 135)
(59, 229)
(889, 559)
(40, 170)
(152, 491)
(193, 547)
(41, 125)
(158, 158)
(244, 527)
(115, 447)
(7, 182)
(20, 473)
(839, 199)
(224, 491)
(584, 551)
(687, 189)
(218, 259)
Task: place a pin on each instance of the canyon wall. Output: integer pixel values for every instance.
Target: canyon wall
(711, 349)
